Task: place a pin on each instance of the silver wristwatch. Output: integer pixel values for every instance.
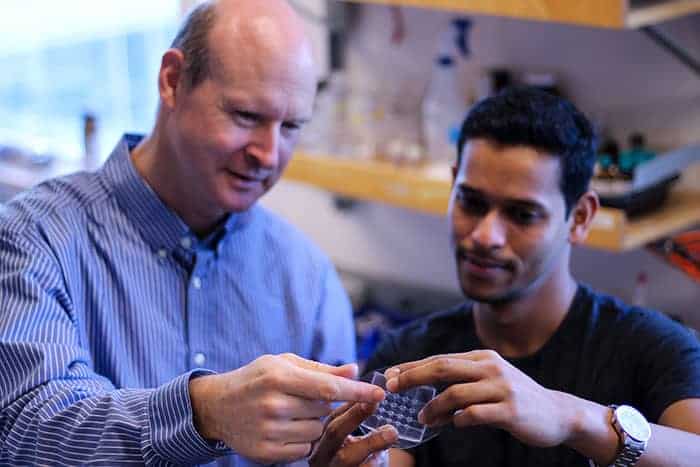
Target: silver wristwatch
(634, 432)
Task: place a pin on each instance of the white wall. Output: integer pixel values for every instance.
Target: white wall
(621, 78)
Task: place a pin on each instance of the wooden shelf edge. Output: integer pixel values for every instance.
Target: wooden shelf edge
(681, 211)
(406, 187)
(594, 13)
(608, 230)
(420, 189)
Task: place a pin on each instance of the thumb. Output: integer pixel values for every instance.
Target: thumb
(349, 370)
(378, 459)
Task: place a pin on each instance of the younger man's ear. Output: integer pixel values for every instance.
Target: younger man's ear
(582, 217)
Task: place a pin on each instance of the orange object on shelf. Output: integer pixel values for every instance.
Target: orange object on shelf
(683, 252)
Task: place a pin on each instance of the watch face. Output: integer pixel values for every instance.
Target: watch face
(634, 423)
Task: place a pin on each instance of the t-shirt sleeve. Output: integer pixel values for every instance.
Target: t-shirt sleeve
(668, 367)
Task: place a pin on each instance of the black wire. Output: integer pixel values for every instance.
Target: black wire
(683, 252)
(310, 15)
(671, 46)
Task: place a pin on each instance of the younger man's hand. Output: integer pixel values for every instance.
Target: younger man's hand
(337, 448)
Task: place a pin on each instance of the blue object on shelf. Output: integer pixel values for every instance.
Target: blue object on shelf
(372, 323)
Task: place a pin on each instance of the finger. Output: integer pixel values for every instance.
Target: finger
(337, 430)
(482, 414)
(474, 355)
(349, 370)
(357, 452)
(295, 431)
(340, 410)
(284, 453)
(456, 397)
(443, 370)
(441, 421)
(286, 407)
(315, 385)
(394, 371)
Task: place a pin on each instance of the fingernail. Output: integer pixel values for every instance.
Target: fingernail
(378, 394)
(388, 432)
(421, 418)
(354, 368)
(392, 384)
(391, 373)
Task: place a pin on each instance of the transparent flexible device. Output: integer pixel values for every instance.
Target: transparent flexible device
(401, 411)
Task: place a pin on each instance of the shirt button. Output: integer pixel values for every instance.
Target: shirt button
(196, 282)
(163, 253)
(199, 359)
(186, 242)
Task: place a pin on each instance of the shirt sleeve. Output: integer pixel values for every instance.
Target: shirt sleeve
(54, 408)
(334, 338)
(668, 367)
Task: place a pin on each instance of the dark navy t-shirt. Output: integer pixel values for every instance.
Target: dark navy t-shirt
(604, 351)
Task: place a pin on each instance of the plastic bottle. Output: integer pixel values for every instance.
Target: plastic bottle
(444, 105)
(641, 289)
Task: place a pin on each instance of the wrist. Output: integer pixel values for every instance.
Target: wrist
(574, 419)
(589, 430)
(171, 433)
(201, 392)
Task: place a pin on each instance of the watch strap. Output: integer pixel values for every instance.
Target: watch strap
(630, 449)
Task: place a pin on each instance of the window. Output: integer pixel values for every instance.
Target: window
(61, 60)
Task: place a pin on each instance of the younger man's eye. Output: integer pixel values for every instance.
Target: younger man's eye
(523, 216)
(473, 204)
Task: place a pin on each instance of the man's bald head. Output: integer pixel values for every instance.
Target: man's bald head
(244, 25)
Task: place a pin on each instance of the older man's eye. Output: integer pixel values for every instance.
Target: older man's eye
(246, 117)
(291, 126)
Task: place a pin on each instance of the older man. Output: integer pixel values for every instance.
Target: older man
(150, 312)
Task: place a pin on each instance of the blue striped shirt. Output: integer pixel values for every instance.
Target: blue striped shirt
(109, 304)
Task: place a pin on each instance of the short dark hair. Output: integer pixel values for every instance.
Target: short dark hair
(526, 116)
(193, 40)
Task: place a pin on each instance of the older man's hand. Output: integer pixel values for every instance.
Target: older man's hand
(270, 410)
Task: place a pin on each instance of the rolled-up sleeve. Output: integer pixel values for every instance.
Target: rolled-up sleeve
(54, 409)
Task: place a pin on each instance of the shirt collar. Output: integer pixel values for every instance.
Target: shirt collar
(160, 226)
